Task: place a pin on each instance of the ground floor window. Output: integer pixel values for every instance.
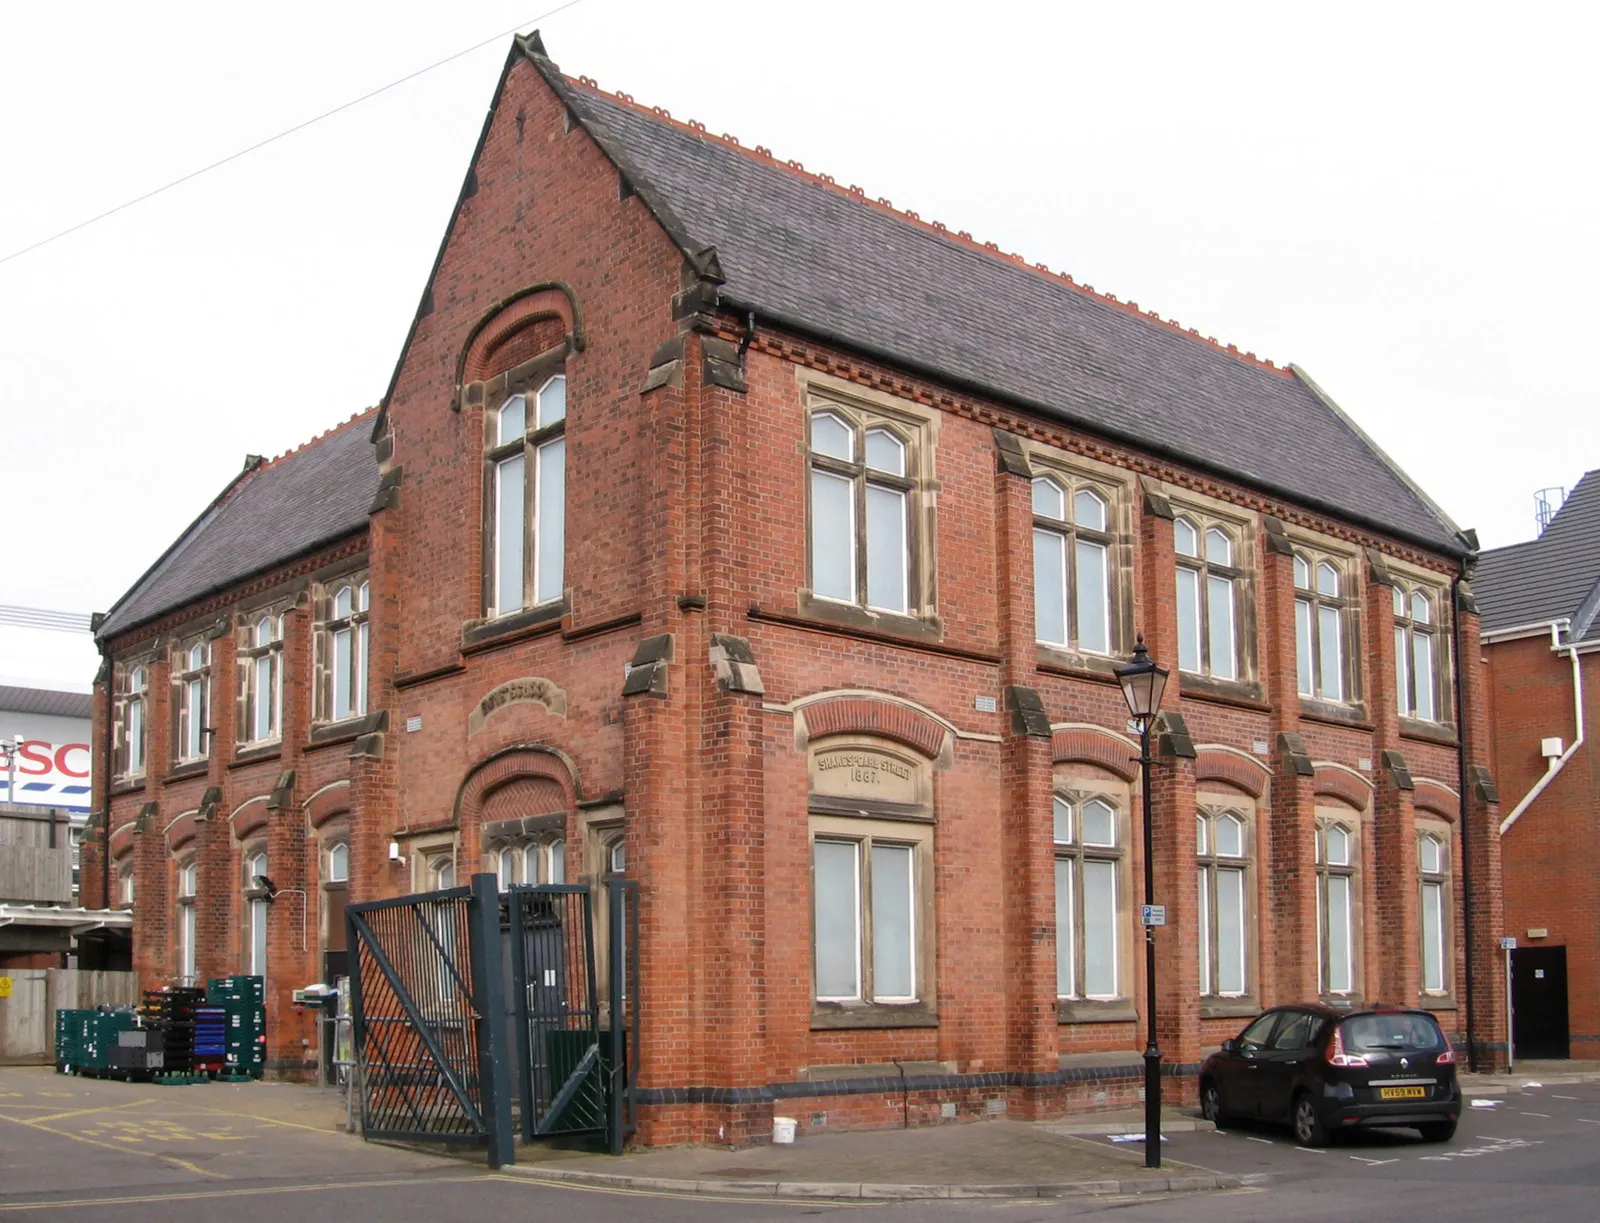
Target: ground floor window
(1223, 846)
(868, 900)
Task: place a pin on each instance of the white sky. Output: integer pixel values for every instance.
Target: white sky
(1401, 198)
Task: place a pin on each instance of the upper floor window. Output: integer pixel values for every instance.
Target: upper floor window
(526, 454)
(192, 706)
(1433, 864)
(345, 637)
(1208, 597)
(863, 513)
(1336, 943)
(1321, 618)
(1071, 565)
(1416, 668)
(1223, 847)
(261, 666)
(1088, 913)
(131, 698)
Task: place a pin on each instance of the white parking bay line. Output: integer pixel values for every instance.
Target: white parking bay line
(1376, 1163)
(1526, 1113)
(1553, 1096)
(1268, 1141)
(1589, 1121)
(1312, 1150)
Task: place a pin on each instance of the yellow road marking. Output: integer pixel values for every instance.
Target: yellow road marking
(94, 1142)
(99, 1108)
(265, 1191)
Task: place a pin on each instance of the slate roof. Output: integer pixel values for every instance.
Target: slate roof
(824, 261)
(304, 500)
(1554, 576)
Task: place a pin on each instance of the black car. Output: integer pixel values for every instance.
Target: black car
(1322, 1071)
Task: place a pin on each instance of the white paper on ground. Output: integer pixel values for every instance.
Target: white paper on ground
(1525, 1086)
(1486, 1104)
(1130, 1137)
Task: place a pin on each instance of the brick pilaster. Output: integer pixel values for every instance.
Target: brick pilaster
(1289, 931)
(1026, 783)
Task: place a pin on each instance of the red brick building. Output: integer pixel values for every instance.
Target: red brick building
(728, 528)
(1541, 637)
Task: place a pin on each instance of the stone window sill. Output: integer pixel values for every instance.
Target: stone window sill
(189, 768)
(484, 634)
(256, 752)
(1442, 733)
(1241, 694)
(918, 628)
(1053, 660)
(128, 785)
(1335, 713)
(1229, 1008)
(1085, 1010)
(827, 1015)
(348, 729)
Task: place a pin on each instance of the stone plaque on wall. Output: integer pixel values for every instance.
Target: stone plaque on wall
(864, 772)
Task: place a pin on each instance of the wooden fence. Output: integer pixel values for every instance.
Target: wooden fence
(28, 1015)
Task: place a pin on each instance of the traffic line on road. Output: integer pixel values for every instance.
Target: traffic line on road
(1589, 1121)
(171, 1159)
(1312, 1150)
(1374, 1162)
(1526, 1113)
(1553, 1096)
(265, 1190)
(1248, 1138)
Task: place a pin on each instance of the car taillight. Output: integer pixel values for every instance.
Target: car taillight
(1336, 1054)
(1448, 1057)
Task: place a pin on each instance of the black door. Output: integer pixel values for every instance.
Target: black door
(1539, 1002)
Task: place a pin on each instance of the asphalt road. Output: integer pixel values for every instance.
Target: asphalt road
(164, 1156)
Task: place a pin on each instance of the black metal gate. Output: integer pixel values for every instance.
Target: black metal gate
(427, 1018)
(465, 1001)
(574, 1015)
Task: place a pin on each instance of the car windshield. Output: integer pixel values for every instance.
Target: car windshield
(1402, 1031)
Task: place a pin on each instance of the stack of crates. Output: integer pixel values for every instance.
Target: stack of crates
(243, 1000)
(171, 1011)
(85, 1039)
(139, 1053)
(211, 1038)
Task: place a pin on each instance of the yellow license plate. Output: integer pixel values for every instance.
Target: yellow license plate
(1402, 1093)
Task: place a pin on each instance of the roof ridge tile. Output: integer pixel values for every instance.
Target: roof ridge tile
(964, 237)
(319, 438)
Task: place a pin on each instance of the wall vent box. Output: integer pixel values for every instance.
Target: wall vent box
(1540, 932)
(1549, 748)
(414, 723)
(984, 704)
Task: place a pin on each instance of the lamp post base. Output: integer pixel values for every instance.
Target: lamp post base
(1152, 1106)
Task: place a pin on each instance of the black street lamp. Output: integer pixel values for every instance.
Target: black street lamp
(1143, 684)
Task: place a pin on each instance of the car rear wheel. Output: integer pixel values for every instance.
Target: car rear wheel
(1438, 1131)
(1309, 1129)
(1211, 1103)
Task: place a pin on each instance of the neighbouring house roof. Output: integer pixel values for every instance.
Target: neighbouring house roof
(45, 702)
(1553, 577)
(807, 254)
(271, 512)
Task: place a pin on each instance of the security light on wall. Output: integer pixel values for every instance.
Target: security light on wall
(395, 855)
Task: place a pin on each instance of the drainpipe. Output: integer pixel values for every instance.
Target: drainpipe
(1560, 762)
(1462, 791)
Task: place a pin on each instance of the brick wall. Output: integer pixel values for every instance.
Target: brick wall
(685, 524)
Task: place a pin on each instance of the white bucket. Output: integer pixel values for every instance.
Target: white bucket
(783, 1129)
